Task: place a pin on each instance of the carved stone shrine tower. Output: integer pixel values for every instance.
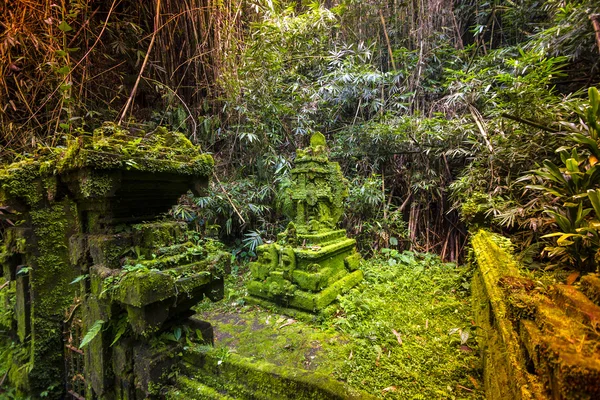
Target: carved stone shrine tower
(312, 261)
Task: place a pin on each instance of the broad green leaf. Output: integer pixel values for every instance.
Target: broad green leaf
(554, 172)
(122, 326)
(545, 189)
(555, 234)
(594, 99)
(581, 214)
(587, 141)
(563, 222)
(573, 170)
(64, 70)
(594, 196)
(63, 26)
(92, 333)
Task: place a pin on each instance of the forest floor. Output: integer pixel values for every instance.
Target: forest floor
(405, 332)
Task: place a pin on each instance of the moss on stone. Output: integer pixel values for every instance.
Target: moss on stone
(108, 148)
(353, 339)
(538, 342)
(50, 276)
(100, 177)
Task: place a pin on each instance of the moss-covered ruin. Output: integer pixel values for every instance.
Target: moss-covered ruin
(86, 257)
(312, 262)
(539, 342)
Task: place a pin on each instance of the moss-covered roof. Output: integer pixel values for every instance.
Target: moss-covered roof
(109, 147)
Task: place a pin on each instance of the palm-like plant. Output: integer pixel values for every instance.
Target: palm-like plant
(575, 187)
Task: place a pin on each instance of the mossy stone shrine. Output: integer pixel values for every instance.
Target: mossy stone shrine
(84, 251)
(312, 262)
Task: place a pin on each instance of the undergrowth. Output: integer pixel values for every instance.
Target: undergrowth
(413, 337)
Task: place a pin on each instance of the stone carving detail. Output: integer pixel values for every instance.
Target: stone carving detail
(312, 261)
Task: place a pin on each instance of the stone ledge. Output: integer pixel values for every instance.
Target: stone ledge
(234, 375)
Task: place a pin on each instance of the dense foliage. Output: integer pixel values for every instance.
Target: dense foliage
(435, 110)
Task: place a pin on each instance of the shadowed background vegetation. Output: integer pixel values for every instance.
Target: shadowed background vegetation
(435, 109)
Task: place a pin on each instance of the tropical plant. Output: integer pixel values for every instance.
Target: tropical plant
(573, 191)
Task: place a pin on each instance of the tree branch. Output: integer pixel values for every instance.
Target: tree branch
(530, 123)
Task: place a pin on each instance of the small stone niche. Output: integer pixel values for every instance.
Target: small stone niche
(312, 261)
(87, 251)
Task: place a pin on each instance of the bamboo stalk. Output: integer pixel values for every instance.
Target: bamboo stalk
(387, 40)
(595, 18)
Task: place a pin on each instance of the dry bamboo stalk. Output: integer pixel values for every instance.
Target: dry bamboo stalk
(595, 18)
(387, 40)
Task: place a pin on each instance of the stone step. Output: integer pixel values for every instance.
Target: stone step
(247, 378)
(576, 305)
(167, 262)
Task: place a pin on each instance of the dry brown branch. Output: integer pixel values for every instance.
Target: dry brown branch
(139, 77)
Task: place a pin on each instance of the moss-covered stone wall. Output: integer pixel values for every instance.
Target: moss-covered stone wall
(538, 342)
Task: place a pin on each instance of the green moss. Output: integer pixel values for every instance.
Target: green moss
(7, 305)
(20, 181)
(158, 234)
(97, 185)
(243, 378)
(49, 277)
(108, 148)
(57, 248)
(317, 139)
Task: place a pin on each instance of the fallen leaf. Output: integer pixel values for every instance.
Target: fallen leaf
(397, 336)
(389, 389)
(572, 277)
(288, 322)
(350, 356)
(465, 348)
(473, 381)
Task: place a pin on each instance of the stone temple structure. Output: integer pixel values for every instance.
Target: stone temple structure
(312, 262)
(97, 286)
